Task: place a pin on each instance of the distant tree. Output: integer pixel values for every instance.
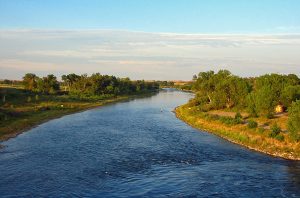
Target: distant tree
(6, 81)
(69, 80)
(30, 81)
(48, 84)
(195, 77)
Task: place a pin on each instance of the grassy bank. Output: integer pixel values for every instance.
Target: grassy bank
(257, 138)
(22, 110)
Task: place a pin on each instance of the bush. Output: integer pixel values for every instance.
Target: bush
(230, 121)
(279, 137)
(275, 130)
(238, 116)
(252, 124)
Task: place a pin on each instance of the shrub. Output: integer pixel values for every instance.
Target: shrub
(275, 130)
(238, 116)
(230, 121)
(252, 124)
(279, 137)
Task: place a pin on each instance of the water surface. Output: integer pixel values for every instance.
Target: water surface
(137, 149)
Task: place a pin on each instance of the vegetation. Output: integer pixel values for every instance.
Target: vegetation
(270, 105)
(252, 124)
(38, 99)
(165, 83)
(294, 120)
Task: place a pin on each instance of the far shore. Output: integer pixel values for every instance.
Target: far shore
(16, 128)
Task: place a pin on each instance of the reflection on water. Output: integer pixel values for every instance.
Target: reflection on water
(134, 149)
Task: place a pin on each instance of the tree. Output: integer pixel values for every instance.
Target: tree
(290, 94)
(70, 79)
(266, 101)
(48, 84)
(30, 81)
(220, 89)
(195, 77)
(251, 104)
(294, 120)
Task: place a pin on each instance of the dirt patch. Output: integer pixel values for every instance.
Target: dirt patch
(227, 113)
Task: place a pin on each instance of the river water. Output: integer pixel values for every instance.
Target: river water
(137, 148)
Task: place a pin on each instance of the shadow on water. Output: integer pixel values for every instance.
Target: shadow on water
(293, 169)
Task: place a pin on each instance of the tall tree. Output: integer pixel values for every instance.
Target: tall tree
(294, 120)
(30, 81)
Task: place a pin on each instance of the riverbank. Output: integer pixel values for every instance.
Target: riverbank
(254, 139)
(30, 116)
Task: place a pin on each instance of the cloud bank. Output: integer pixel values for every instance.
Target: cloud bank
(142, 55)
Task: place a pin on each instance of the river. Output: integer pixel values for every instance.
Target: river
(137, 148)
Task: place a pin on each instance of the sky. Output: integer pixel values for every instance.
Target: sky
(149, 39)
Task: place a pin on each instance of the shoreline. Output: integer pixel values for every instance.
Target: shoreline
(204, 127)
(60, 114)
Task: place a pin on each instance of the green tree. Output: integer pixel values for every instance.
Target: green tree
(294, 120)
(69, 80)
(48, 84)
(290, 94)
(30, 81)
(265, 100)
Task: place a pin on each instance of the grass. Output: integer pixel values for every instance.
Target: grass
(256, 138)
(23, 110)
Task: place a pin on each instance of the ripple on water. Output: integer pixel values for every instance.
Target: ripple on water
(133, 149)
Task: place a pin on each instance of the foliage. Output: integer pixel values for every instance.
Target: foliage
(220, 89)
(279, 137)
(85, 86)
(252, 124)
(294, 120)
(230, 121)
(238, 115)
(30, 81)
(48, 84)
(275, 130)
(165, 83)
(270, 90)
(259, 96)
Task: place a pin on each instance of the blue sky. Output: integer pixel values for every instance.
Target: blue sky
(149, 39)
(180, 16)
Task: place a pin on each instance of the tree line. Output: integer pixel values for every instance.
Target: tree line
(84, 85)
(257, 95)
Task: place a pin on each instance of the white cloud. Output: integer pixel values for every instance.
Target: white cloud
(145, 55)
